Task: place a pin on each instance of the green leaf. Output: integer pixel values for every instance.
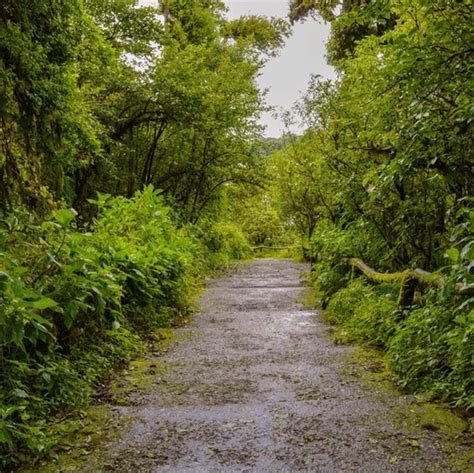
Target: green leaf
(65, 216)
(5, 436)
(41, 304)
(7, 411)
(15, 330)
(453, 254)
(20, 393)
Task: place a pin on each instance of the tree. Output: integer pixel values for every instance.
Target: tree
(393, 132)
(189, 124)
(44, 121)
(351, 21)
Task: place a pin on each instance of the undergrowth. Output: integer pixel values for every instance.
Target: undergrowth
(430, 345)
(76, 301)
(429, 348)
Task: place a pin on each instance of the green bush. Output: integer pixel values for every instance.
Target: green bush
(342, 306)
(430, 348)
(73, 303)
(264, 227)
(433, 351)
(329, 246)
(76, 301)
(152, 259)
(368, 315)
(221, 242)
(235, 245)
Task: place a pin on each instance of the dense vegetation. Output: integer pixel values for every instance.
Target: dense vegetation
(132, 164)
(384, 172)
(124, 132)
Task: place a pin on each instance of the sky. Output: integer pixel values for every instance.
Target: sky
(286, 76)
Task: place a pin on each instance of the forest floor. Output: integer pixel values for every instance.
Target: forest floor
(256, 383)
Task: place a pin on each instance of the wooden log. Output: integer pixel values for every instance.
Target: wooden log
(419, 275)
(429, 278)
(263, 247)
(375, 275)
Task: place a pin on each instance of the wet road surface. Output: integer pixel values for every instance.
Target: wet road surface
(256, 384)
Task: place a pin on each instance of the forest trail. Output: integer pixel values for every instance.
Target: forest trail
(256, 384)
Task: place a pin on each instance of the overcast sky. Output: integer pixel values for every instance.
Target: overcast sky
(286, 76)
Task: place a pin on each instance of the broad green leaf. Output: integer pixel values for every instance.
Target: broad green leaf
(453, 254)
(20, 393)
(5, 437)
(65, 216)
(41, 304)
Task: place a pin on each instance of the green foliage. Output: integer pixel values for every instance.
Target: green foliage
(221, 243)
(329, 246)
(342, 306)
(261, 33)
(152, 259)
(367, 314)
(266, 229)
(75, 302)
(384, 173)
(384, 155)
(384, 161)
(460, 258)
(430, 349)
(102, 96)
(105, 98)
(45, 122)
(231, 241)
(433, 352)
(257, 212)
(350, 21)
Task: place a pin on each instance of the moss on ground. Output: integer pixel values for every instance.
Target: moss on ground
(84, 438)
(416, 415)
(81, 437)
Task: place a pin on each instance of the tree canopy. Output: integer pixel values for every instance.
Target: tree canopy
(102, 95)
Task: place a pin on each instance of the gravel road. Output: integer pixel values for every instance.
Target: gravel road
(256, 384)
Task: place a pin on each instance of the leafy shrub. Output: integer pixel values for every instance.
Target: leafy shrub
(368, 315)
(434, 348)
(73, 303)
(235, 244)
(342, 306)
(429, 348)
(329, 246)
(375, 320)
(264, 227)
(434, 351)
(221, 242)
(152, 259)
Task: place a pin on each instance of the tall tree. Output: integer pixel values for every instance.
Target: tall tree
(45, 126)
(395, 131)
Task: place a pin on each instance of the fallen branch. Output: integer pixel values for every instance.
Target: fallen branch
(409, 280)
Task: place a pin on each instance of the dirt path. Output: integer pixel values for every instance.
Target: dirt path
(256, 384)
